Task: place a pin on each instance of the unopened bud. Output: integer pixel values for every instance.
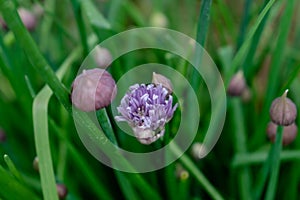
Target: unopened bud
(158, 19)
(2, 136)
(35, 164)
(181, 173)
(38, 10)
(246, 95)
(62, 191)
(237, 84)
(165, 82)
(3, 24)
(198, 151)
(289, 132)
(102, 56)
(27, 18)
(93, 89)
(283, 111)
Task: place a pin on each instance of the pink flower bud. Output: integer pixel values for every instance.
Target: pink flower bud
(93, 89)
(102, 57)
(27, 18)
(165, 82)
(283, 111)
(289, 132)
(237, 84)
(62, 191)
(2, 136)
(3, 24)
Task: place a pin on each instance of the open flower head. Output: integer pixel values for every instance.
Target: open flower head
(147, 109)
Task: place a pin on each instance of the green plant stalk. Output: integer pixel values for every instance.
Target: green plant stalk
(23, 37)
(134, 13)
(11, 189)
(95, 184)
(227, 16)
(202, 30)
(137, 180)
(244, 159)
(248, 63)
(241, 147)
(271, 189)
(49, 6)
(12, 168)
(273, 84)
(244, 24)
(239, 57)
(40, 122)
(76, 4)
(190, 166)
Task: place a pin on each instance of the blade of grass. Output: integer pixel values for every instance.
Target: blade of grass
(40, 122)
(244, 23)
(190, 166)
(275, 70)
(240, 55)
(12, 168)
(95, 17)
(49, 6)
(31, 50)
(96, 185)
(248, 66)
(227, 16)
(77, 8)
(134, 13)
(271, 189)
(257, 158)
(202, 29)
(241, 147)
(147, 191)
(11, 189)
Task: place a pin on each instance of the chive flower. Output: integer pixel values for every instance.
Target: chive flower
(147, 109)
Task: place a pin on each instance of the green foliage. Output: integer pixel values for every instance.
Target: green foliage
(260, 38)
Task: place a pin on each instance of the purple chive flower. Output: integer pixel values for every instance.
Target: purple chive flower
(147, 108)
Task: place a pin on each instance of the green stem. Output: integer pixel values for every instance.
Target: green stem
(241, 147)
(141, 184)
(95, 184)
(80, 25)
(242, 159)
(189, 165)
(271, 189)
(23, 37)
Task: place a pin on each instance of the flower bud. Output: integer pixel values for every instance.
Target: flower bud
(2, 136)
(198, 151)
(289, 133)
(158, 19)
(246, 95)
(165, 82)
(27, 18)
(38, 10)
(283, 111)
(181, 173)
(3, 24)
(102, 57)
(237, 84)
(62, 191)
(35, 164)
(93, 89)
